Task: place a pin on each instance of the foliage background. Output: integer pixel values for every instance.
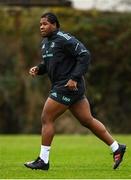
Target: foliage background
(107, 35)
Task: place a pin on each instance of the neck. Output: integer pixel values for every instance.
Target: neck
(53, 33)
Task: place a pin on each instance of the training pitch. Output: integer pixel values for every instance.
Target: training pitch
(71, 157)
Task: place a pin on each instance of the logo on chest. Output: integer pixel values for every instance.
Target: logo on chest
(52, 45)
(48, 50)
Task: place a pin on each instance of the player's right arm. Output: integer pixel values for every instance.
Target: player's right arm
(34, 71)
(38, 70)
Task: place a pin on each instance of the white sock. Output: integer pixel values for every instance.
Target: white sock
(44, 153)
(114, 146)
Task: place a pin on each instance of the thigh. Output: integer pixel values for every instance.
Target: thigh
(81, 110)
(52, 109)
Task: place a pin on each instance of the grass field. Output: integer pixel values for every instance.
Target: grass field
(74, 157)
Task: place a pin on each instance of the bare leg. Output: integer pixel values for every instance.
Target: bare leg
(81, 110)
(51, 111)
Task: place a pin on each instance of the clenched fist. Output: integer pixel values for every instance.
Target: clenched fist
(33, 71)
(72, 85)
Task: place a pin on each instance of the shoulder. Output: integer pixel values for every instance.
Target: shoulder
(66, 37)
(63, 35)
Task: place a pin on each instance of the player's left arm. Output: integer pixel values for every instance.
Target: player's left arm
(81, 55)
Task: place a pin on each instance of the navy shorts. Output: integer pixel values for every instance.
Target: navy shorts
(65, 99)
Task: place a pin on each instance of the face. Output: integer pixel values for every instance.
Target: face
(46, 28)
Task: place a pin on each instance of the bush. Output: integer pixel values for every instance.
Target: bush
(107, 35)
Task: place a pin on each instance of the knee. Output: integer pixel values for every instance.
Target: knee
(45, 118)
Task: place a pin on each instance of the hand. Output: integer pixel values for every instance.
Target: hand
(33, 71)
(72, 85)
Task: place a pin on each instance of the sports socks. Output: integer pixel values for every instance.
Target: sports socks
(114, 146)
(44, 153)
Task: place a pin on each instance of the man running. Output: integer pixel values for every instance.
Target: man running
(65, 59)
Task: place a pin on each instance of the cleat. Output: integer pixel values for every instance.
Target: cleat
(37, 164)
(118, 155)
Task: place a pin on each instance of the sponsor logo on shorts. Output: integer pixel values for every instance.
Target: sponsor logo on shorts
(54, 94)
(66, 99)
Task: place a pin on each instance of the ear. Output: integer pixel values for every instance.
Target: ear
(54, 26)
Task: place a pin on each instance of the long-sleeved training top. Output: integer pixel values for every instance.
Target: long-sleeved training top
(63, 58)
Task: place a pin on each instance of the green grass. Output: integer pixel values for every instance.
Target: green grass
(71, 156)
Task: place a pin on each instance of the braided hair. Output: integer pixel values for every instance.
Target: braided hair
(52, 18)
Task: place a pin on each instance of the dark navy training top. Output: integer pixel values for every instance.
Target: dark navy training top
(63, 58)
